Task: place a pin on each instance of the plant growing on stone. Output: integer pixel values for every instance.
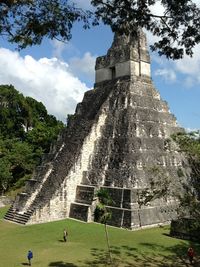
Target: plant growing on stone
(189, 143)
(188, 225)
(162, 186)
(159, 182)
(103, 214)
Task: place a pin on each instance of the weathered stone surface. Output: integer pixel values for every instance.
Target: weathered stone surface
(119, 131)
(127, 56)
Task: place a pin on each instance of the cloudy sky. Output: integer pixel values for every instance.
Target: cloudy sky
(58, 74)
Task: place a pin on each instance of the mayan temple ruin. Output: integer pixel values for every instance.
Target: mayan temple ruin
(119, 132)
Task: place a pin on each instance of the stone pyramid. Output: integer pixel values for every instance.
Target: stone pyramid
(119, 131)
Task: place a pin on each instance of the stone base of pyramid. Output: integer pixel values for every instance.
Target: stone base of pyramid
(125, 211)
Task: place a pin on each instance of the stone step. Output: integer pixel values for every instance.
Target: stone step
(16, 217)
(15, 220)
(16, 214)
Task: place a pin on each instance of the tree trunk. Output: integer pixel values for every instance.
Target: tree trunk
(108, 244)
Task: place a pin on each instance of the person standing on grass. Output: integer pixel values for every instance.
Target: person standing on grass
(65, 234)
(190, 254)
(29, 257)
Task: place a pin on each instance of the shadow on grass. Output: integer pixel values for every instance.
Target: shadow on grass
(100, 258)
(129, 256)
(148, 255)
(25, 264)
(62, 264)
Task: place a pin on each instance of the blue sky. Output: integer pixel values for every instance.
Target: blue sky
(58, 74)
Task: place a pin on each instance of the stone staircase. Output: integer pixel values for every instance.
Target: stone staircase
(16, 213)
(17, 217)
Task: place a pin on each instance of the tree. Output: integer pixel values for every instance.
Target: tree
(189, 144)
(161, 186)
(5, 175)
(26, 133)
(178, 26)
(188, 225)
(27, 22)
(17, 161)
(12, 113)
(43, 135)
(187, 190)
(102, 213)
(27, 119)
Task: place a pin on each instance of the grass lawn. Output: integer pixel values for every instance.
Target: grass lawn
(87, 246)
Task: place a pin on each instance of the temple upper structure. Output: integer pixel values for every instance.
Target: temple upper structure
(128, 56)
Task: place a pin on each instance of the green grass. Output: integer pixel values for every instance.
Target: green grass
(87, 246)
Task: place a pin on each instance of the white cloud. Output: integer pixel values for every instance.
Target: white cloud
(84, 65)
(47, 80)
(190, 65)
(189, 81)
(58, 48)
(157, 9)
(168, 74)
(192, 130)
(197, 2)
(188, 68)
